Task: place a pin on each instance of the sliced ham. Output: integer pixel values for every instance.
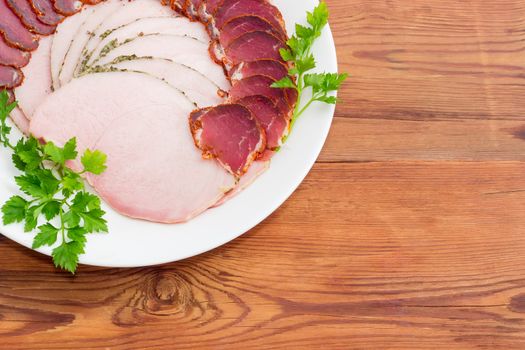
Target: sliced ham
(67, 7)
(13, 31)
(20, 120)
(129, 13)
(184, 50)
(37, 82)
(246, 24)
(154, 170)
(146, 26)
(261, 85)
(230, 9)
(82, 36)
(46, 12)
(62, 41)
(10, 56)
(254, 46)
(24, 11)
(274, 123)
(197, 87)
(230, 134)
(10, 77)
(270, 68)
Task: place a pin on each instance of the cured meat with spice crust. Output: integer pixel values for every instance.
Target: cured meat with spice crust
(46, 13)
(24, 11)
(67, 7)
(10, 56)
(271, 68)
(13, 31)
(252, 47)
(246, 24)
(231, 134)
(10, 77)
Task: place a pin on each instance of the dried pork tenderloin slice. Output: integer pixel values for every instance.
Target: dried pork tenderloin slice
(197, 87)
(207, 9)
(192, 9)
(10, 56)
(83, 34)
(253, 46)
(126, 15)
(261, 85)
(20, 120)
(28, 17)
(62, 40)
(67, 7)
(246, 24)
(271, 68)
(14, 32)
(148, 26)
(154, 170)
(274, 123)
(10, 77)
(230, 134)
(230, 9)
(46, 13)
(37, 82)
(184, 50)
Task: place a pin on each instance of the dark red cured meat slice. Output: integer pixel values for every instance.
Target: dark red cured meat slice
(179, 6)
(261, 85)
(274, 123)
(207, 8)
(271, 68)
(252, 47)
(67, 7)
(246, 24)
(192, 8)
(46, 13)
(231, 134)
(230, 9)
(24, 11)
(10, 56)
(13, 31)
(10, 77)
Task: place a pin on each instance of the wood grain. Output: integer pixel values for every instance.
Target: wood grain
(408, 234)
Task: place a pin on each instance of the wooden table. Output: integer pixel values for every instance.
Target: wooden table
(409, 233)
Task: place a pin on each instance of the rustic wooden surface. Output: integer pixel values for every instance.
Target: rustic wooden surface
(409, 233)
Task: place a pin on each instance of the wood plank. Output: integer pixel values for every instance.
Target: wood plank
(405, 255)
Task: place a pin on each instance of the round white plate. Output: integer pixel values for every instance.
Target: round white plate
(133, 243)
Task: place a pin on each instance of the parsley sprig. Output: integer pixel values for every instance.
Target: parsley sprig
(55, 202)
(299, 53)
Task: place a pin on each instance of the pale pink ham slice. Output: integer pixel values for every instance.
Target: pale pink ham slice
(24, 11)
(10, 56)
(18, 117)
(197, 87)
(67, 7)
(10, 77)
(37, 82)
(129, 13)
(82, 36)
(147, 26)
(46, 12)
(187, 51)
(62, 40)
(230, 134)
(13, 31)
(154, 170)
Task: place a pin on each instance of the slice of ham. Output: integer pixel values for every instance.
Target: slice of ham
(154, 171)
(10, 56)
(253, 46)
(246, 24)
(62, 40)
(67, 7)
(37, 82)
(46, 13)
(261, 85)
(129, 13)
(207, 9)
(270, 68)
(230, 134)
(10, 77)
(18, 117)
(197, 87)
(28, 17)
(184, 50)
(274, 123)
(147, 26)
(13, 31)
(230, 9)
(82, 36)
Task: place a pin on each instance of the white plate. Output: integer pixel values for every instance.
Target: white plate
(133, 243)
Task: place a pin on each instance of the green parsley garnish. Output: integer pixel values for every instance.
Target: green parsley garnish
(299, 53)
(55, 202)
